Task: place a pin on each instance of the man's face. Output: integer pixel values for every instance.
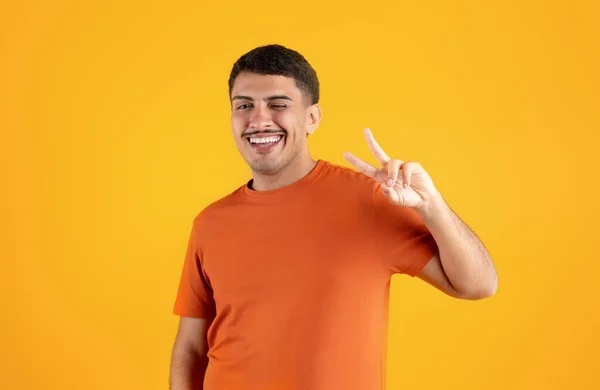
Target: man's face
(270, 118)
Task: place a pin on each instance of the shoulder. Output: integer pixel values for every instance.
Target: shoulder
(350, 177)
(215, 210)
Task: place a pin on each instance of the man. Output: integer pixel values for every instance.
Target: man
(285, 282)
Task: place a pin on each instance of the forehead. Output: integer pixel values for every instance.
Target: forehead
(258, 85)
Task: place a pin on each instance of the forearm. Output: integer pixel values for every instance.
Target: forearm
(187, 370)
(465, 260)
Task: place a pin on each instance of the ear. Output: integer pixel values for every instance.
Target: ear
(314, 118)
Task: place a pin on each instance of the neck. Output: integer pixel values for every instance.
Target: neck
(286, 176)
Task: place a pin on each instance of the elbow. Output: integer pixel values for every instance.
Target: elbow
(482, 294)
(482, 290)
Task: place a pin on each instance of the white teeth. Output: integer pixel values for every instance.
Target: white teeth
(264, 140)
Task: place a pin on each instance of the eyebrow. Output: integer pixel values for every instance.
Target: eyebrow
(268, 99)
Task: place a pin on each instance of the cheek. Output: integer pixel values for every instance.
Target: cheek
(238, 124)
(289, 121)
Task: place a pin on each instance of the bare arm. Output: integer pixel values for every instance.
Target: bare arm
(189, 360)
(463, 267)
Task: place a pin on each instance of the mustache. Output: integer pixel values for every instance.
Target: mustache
(268, 131)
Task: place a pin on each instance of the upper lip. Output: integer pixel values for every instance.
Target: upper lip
(264, 135)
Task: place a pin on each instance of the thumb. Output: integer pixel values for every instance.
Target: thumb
(391, 195)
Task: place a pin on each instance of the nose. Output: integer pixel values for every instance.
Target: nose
(260, 118)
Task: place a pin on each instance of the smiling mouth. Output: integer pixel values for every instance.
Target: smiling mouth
(265, 142)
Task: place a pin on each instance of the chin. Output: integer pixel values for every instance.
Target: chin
(266, 166)
(272, 163)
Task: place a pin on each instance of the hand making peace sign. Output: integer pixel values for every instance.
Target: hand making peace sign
(403, 183)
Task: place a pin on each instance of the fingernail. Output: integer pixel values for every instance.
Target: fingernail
(390, 183)
(405, 185)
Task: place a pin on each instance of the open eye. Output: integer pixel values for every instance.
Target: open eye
(243, 106)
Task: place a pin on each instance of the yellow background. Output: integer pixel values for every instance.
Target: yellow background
(115, 134)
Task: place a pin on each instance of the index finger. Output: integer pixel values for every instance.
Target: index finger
(374, 147)
(362, 166)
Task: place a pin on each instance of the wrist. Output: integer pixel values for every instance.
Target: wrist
(431, 207)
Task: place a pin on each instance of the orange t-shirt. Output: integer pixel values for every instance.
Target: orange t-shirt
(297, 280)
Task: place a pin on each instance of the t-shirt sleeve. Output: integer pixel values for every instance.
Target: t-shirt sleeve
(194, 296)
(404, 243)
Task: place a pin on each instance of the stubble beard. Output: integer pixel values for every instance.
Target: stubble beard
(271, 166)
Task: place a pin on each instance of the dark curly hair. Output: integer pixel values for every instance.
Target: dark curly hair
(281, 61)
